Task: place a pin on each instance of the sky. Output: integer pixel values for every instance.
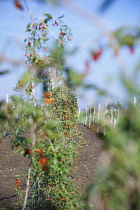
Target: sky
(104, 73)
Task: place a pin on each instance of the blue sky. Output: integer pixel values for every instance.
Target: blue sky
(104, 73)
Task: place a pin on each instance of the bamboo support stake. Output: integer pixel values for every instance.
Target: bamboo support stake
(89, 117)
(99, 108)
(98, 120)
(115, 118)
(94, 110)
(135, 100)
(111, 116)
(27, 188)
(7, 98)
(86, 117)
(79, 114)
(105, 112)
(33, 134)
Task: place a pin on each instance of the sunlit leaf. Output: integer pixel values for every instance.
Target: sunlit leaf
(49, 17)
(28, 27)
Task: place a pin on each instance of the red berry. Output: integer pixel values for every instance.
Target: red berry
(96, 55)
(18, 5)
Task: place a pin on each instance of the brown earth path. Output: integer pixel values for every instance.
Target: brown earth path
(13, 164)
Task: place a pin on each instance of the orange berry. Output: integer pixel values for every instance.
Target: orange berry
(47, 101)
(37, 151)
(51, 99)
(61, 34)
(47, 95)
(49, 199)
(61, 160)
(40, 62)
(43, 160)
(17, 183)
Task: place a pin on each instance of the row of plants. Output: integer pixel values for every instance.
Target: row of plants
(44, 132)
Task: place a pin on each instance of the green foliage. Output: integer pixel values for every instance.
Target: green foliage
(127, 36)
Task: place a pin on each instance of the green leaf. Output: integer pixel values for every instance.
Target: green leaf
(36, 60)
(127, 40)
(61, 17)
(49, 17)
(37, 43)
(65, 26)
(46, 20)
(28, 27)
(3, 116)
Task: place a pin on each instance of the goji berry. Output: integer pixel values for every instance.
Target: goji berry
(45, 168)
(17, 183)
(47, 95)
(43, 160)
(27, 151)
(96, 55)
(18, 5)
(37, 151)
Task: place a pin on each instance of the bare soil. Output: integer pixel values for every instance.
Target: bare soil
(12, 164)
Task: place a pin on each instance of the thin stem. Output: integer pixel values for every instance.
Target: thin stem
(33, 134)
(50, 144)
(26, 6)
(28, 187)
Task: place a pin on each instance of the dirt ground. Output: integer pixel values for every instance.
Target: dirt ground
(13, 164)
